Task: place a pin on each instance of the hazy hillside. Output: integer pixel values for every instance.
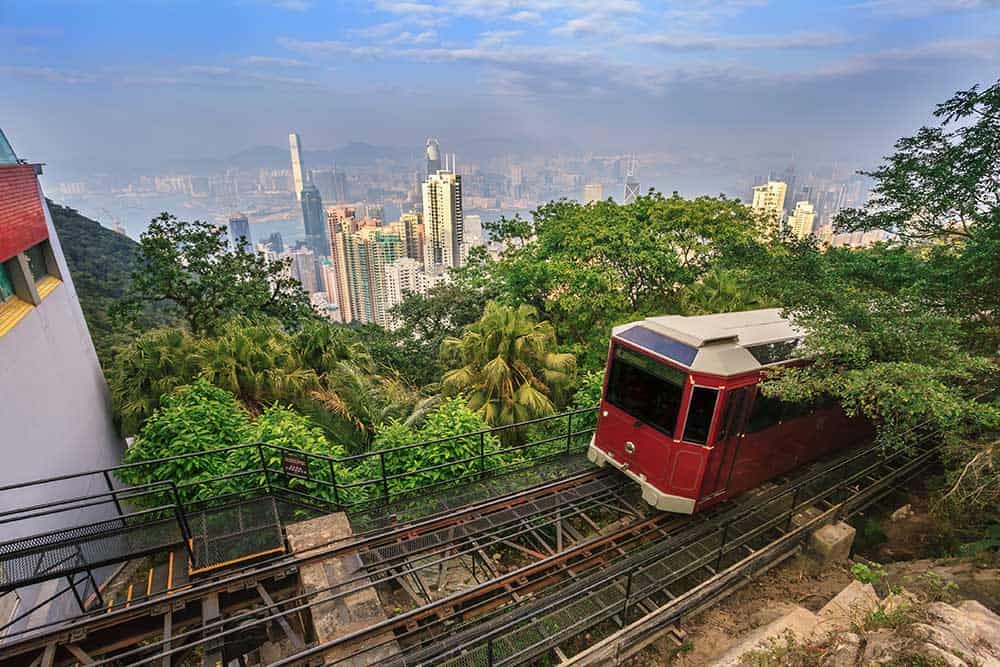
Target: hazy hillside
(100, 262)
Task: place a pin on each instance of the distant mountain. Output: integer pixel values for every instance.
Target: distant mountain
(100, 262)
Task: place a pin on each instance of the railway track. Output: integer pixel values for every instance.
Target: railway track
(447, 535)
(611, 584)
(629, 567)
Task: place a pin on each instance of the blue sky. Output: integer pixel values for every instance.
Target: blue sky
(137, 83)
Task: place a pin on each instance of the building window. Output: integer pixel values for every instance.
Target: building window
(36, 261)
(6, 286)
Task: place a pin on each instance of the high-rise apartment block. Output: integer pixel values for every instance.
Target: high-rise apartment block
(443, 220)
(800, 222)
(769, 202)
(413, 236)
(305, 269)
(593, 192)
(239, 232)
(403, 277)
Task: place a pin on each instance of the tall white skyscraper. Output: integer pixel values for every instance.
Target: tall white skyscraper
(769, 202)
(295, 144)
(444, 224)
(802, 218)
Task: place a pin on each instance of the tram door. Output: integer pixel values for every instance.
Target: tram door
(727, 441)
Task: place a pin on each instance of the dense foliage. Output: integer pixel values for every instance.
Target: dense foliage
(508, 365)
(906, 334)
(320, 369)
(190, 266)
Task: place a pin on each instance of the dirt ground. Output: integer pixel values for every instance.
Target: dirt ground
(799, 581)
(907, 541)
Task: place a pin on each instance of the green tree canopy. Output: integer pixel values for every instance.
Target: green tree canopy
(189, 265)
(508, 365)
(895, 333)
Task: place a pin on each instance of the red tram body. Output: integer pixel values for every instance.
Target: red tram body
(681, 413)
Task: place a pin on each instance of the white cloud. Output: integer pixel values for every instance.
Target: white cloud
(916, 8)
(271, 60)
(705, 42)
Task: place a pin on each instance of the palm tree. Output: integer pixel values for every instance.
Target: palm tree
(507, 365)
(149, 367)
(257, 362)
(719, 291)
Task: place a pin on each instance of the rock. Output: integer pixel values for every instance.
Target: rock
(904, 512)
(897, 601)
(833, 542)
(799, 623)
(969, 632)
(843, 651)
(883, 646)
(847, 609)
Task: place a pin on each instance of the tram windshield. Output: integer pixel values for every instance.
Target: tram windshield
(647, 390)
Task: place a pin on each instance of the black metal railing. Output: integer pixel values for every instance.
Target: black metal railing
(169, 490)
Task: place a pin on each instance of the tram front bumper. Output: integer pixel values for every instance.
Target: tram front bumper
(652, 495)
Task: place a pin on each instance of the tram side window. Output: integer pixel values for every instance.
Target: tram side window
(732, 411)
(766, 413)
(699, 417)
(645, 389)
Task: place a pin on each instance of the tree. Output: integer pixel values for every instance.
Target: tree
(441, 430)
(508, 365)
(720, 291)
(941, 188)
(189, 265)
(320, 369)
(192, 418)
(588, 268)
(893, 331)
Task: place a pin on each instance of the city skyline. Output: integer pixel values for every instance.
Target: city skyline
(734, 81)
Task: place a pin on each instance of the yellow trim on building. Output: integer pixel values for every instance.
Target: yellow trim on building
(46, 285)
(13, 311)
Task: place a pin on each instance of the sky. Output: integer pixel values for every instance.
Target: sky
(137, 84)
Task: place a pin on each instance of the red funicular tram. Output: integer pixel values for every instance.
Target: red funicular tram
(681, 413)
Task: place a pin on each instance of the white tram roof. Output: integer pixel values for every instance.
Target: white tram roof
(723, 344)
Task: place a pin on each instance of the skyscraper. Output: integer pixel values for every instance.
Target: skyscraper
(314, 220)
(802, 218)
(304, 268)
(297, 172)
(403, 277)
(593, 192)
(239, 232)
(433, 156)
(443, 220)
(413, 236)
(769, 203)
(631, 181)
(359, 266)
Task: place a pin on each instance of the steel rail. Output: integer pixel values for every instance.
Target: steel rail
(621, 576)
(40, 635)
(340, 593)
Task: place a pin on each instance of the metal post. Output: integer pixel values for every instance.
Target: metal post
(628, 595)
(114, 496)
(333, 478)
(569, 431)
(76, 594)
(791, 511)
(263, 466)
(489, 652)
(722, 546)
(482, 453)
(385, 482)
